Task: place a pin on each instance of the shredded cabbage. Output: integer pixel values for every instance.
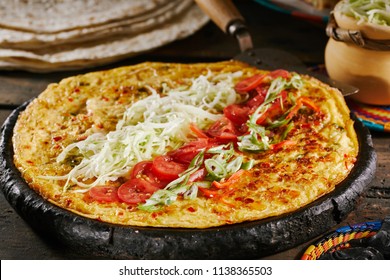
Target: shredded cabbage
(149, 127)
(373, 11)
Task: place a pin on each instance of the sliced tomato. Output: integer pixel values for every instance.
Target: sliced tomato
(238, 114)
(141, 168)
(279, 73)
(104, 193)
(223, 130)
(249, 83)
(258, 98)
(187, 152)
(144, 171)
(166, 169)
(136, 190)
(199, 175)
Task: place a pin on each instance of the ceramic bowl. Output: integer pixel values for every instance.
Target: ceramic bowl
(367, 69)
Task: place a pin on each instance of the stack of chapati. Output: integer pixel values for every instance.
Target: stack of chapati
(48, 35)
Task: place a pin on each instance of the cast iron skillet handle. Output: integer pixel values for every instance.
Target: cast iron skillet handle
(226, 16)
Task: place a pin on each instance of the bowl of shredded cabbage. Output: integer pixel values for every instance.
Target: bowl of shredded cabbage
(358, 50)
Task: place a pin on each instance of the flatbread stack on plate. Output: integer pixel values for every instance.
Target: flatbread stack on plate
(52, 35)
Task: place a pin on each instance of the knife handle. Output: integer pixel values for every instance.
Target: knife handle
(226, 16)
(222, 12)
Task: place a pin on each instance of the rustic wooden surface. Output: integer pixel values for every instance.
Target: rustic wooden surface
(269, 29)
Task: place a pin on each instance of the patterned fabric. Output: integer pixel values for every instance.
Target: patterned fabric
(340, 239)
(374, 117)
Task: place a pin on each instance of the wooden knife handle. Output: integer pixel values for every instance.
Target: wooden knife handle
(222, 12)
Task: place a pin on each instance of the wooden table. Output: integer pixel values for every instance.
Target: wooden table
(269, 29)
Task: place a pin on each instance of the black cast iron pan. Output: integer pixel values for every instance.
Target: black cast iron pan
(228, 19)
(95, 239)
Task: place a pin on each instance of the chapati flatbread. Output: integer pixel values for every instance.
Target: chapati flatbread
(50, 16)
(25, 40)
(90, 54)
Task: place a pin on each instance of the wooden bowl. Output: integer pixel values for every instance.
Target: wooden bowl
(367, 69)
